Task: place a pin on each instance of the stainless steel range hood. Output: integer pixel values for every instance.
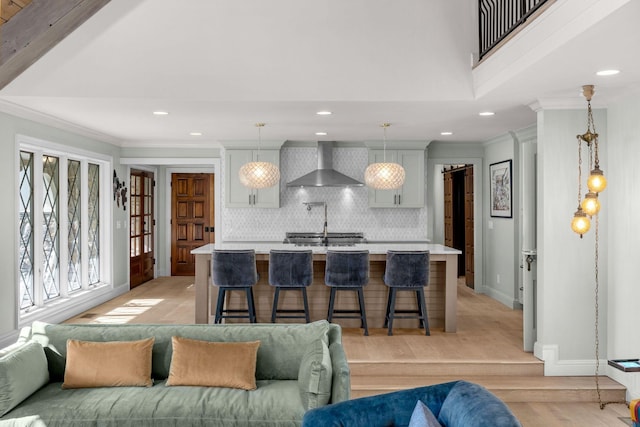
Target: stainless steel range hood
(325, 175)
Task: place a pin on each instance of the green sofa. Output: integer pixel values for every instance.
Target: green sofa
(288, 377)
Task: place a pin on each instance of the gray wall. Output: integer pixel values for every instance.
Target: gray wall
(622, 204)
(565, 261)
(11, 126)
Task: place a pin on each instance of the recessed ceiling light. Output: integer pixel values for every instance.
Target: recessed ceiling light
(195, 133)
(487, 113)
(160, 113)
(321, 133)
(324, 113)
(607, 72)
(446, 133)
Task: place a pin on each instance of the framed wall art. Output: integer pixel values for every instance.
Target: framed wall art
(501, 194)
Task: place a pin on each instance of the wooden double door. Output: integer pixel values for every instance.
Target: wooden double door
(458, 218)
(192, 218)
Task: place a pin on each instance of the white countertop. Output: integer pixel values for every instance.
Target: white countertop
(373, 248)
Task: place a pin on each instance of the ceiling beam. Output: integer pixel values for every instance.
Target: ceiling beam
(38, 28)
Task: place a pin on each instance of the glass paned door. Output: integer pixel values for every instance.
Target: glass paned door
(142, 224)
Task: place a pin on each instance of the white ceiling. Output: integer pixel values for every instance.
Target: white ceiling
(220, 66)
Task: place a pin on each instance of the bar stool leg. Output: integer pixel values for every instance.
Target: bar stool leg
(424, 311)
(306, 305)
(363, 314)
(419, 301)
(251, 306)
(392, 309)
(219, 306)
(386, 316)
(332, 300)
(275, 305)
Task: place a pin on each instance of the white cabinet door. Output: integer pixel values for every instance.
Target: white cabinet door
(382, 198)
(239, 196)
(236, 194)
(411, 194)
(268, 197)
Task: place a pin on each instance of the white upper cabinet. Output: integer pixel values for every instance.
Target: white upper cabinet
(411, 194)
(239, 196)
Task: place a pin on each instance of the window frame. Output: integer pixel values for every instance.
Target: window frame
(66, 299)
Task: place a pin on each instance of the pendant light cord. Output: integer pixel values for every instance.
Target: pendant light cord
(597, 335)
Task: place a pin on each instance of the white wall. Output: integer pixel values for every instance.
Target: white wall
(623, 204)
(566, 296)
(11, 126)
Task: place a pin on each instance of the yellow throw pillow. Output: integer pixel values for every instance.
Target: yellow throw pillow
(213, 364)
(108, 364)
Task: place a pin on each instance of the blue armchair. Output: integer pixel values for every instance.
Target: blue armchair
(455, 404)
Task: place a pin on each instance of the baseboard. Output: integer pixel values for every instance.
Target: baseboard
(554, 367)
(65, 312)
(505, 299)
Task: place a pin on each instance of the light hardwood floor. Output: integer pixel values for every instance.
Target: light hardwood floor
(487, 349)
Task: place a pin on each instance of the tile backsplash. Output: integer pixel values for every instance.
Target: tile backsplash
(347, 208)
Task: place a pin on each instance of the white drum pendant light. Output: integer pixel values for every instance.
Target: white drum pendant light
(259, 174)
(385, 175)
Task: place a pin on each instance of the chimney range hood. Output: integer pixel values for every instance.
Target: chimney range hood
(325, 175)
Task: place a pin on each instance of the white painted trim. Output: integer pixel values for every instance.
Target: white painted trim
(216, 170)
(46, 119)
(507, 300)
(182, 143)
(170, 161)
(61, 310)
(553, 366)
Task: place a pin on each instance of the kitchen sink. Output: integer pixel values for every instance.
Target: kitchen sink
(318, 239)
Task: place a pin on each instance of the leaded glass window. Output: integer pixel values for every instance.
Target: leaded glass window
(25, 219)
(50, 227)
(94, 223)
(61, 223)
(74, 213)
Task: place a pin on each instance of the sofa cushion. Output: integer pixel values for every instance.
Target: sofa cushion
(314, 376)
(22, 372)
(213, 364)
(281, 346)
(108, 364)
(30, 421)
(423, 417)
(466, 400)
(273, 403)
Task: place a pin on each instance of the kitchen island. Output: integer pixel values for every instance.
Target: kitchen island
(441, 294)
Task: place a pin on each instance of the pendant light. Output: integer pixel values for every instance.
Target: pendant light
(259, 174)
(590, 205)
(385, 175)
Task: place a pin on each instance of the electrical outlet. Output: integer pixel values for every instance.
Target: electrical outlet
(498, 279)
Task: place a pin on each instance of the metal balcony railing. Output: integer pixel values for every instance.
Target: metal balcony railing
(499, 18)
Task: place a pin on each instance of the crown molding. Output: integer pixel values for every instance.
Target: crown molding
(48, 120)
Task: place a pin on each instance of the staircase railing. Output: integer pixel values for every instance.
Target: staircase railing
(499, 18)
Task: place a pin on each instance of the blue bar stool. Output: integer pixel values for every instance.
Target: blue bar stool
(234, 270)
(347, 270)
(290, 270)
(407, 271)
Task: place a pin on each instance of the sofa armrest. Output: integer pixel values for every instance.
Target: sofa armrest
(341, 377)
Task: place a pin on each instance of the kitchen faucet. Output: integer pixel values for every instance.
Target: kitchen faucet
(325, 234)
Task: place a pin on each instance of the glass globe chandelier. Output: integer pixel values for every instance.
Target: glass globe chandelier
(596, 182)
(385, 175)
(259, 174)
